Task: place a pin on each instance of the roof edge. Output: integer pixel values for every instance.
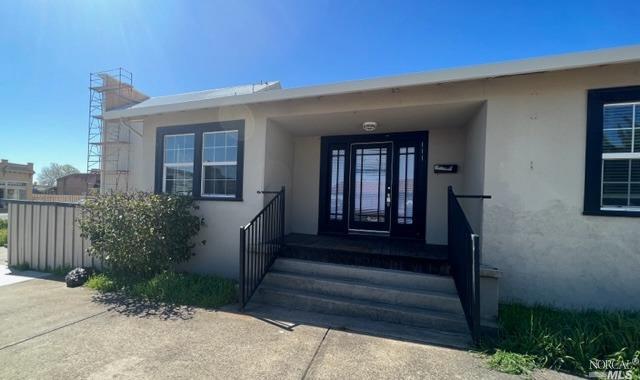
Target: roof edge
(609, 56)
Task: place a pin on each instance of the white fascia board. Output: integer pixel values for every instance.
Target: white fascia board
(527, 66)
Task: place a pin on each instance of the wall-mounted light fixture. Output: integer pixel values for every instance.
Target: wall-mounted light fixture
(369, 126)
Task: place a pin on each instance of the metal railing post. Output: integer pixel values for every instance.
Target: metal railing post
(241, 276)
(475, 286)
(282, 216)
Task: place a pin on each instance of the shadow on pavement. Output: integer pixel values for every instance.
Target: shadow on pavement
(135, 307)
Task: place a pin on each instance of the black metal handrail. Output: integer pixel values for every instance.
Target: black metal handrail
(261, 241)
(464, 258)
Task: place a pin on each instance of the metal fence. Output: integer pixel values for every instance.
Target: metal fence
(64, 198)
(46, 236)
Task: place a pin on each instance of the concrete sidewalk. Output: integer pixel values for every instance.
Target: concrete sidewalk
(9, 276)
(50, 331)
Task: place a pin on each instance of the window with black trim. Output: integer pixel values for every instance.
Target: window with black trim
(204, 160)
(612, 177)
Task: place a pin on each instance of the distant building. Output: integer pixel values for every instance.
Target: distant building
(43, 189)
(15, 181)
(78, 184)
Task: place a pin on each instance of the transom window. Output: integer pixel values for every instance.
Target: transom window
(177, 175)
(204, 160)
(219, 163)
(621, 157)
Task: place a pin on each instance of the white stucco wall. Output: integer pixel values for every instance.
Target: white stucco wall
(473, 169)
(534, 230)
(446, 146)
(279, 154)
(306, 185)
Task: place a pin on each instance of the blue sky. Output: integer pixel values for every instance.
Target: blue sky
(48, 49)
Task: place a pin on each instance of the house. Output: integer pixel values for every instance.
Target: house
(78, 183)
(15, 181)
(550, 139)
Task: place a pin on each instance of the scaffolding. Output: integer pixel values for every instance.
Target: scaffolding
(108, 141)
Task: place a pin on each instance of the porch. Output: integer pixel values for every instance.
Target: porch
(367, 251)
(344, 180)
(371, 227)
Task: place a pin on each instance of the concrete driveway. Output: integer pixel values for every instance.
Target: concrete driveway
(50, 331)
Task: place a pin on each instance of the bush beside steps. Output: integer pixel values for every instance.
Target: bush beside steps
(170, 287)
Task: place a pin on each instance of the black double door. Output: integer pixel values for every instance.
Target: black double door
(374, 184)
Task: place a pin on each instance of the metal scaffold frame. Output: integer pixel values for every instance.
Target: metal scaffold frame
(107, 144)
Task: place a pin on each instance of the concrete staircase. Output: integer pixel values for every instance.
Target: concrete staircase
(429, 304)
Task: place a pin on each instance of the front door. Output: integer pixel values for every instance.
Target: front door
(370, 194)
(374, 184)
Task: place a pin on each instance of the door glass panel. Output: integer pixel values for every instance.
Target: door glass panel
(407, 158)
(337, 184)
(370, 181)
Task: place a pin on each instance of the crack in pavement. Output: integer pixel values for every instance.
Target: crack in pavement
(52, 330)
(306, 371)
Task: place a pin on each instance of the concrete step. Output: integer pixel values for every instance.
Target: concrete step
(357, 256)
(416, 298)
(313, 302)
(374, 276)
(290, 319)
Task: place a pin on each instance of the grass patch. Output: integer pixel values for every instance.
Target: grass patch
(3, 232)
(563, 339)
(171, 287)
(510, 362)
(21, 267)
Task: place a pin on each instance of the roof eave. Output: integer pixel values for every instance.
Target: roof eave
(528, 66)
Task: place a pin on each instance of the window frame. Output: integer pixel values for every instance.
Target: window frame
(220, 163)
(199, 130)
(596, 100)
(175, 165)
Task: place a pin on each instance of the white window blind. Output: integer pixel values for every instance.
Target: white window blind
(621, 157)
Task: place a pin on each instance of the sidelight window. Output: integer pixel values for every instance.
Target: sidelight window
(336, 200)
(406, 170)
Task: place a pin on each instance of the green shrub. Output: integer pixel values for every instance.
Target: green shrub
(568, 340)
(170, 287)
(3, 232)
(21, 267)
(140, 233)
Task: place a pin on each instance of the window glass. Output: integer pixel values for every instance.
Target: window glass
(621, 156)
(220, 163)
(406, 172)
(178, 164)
(617, 129)
(337, 184)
